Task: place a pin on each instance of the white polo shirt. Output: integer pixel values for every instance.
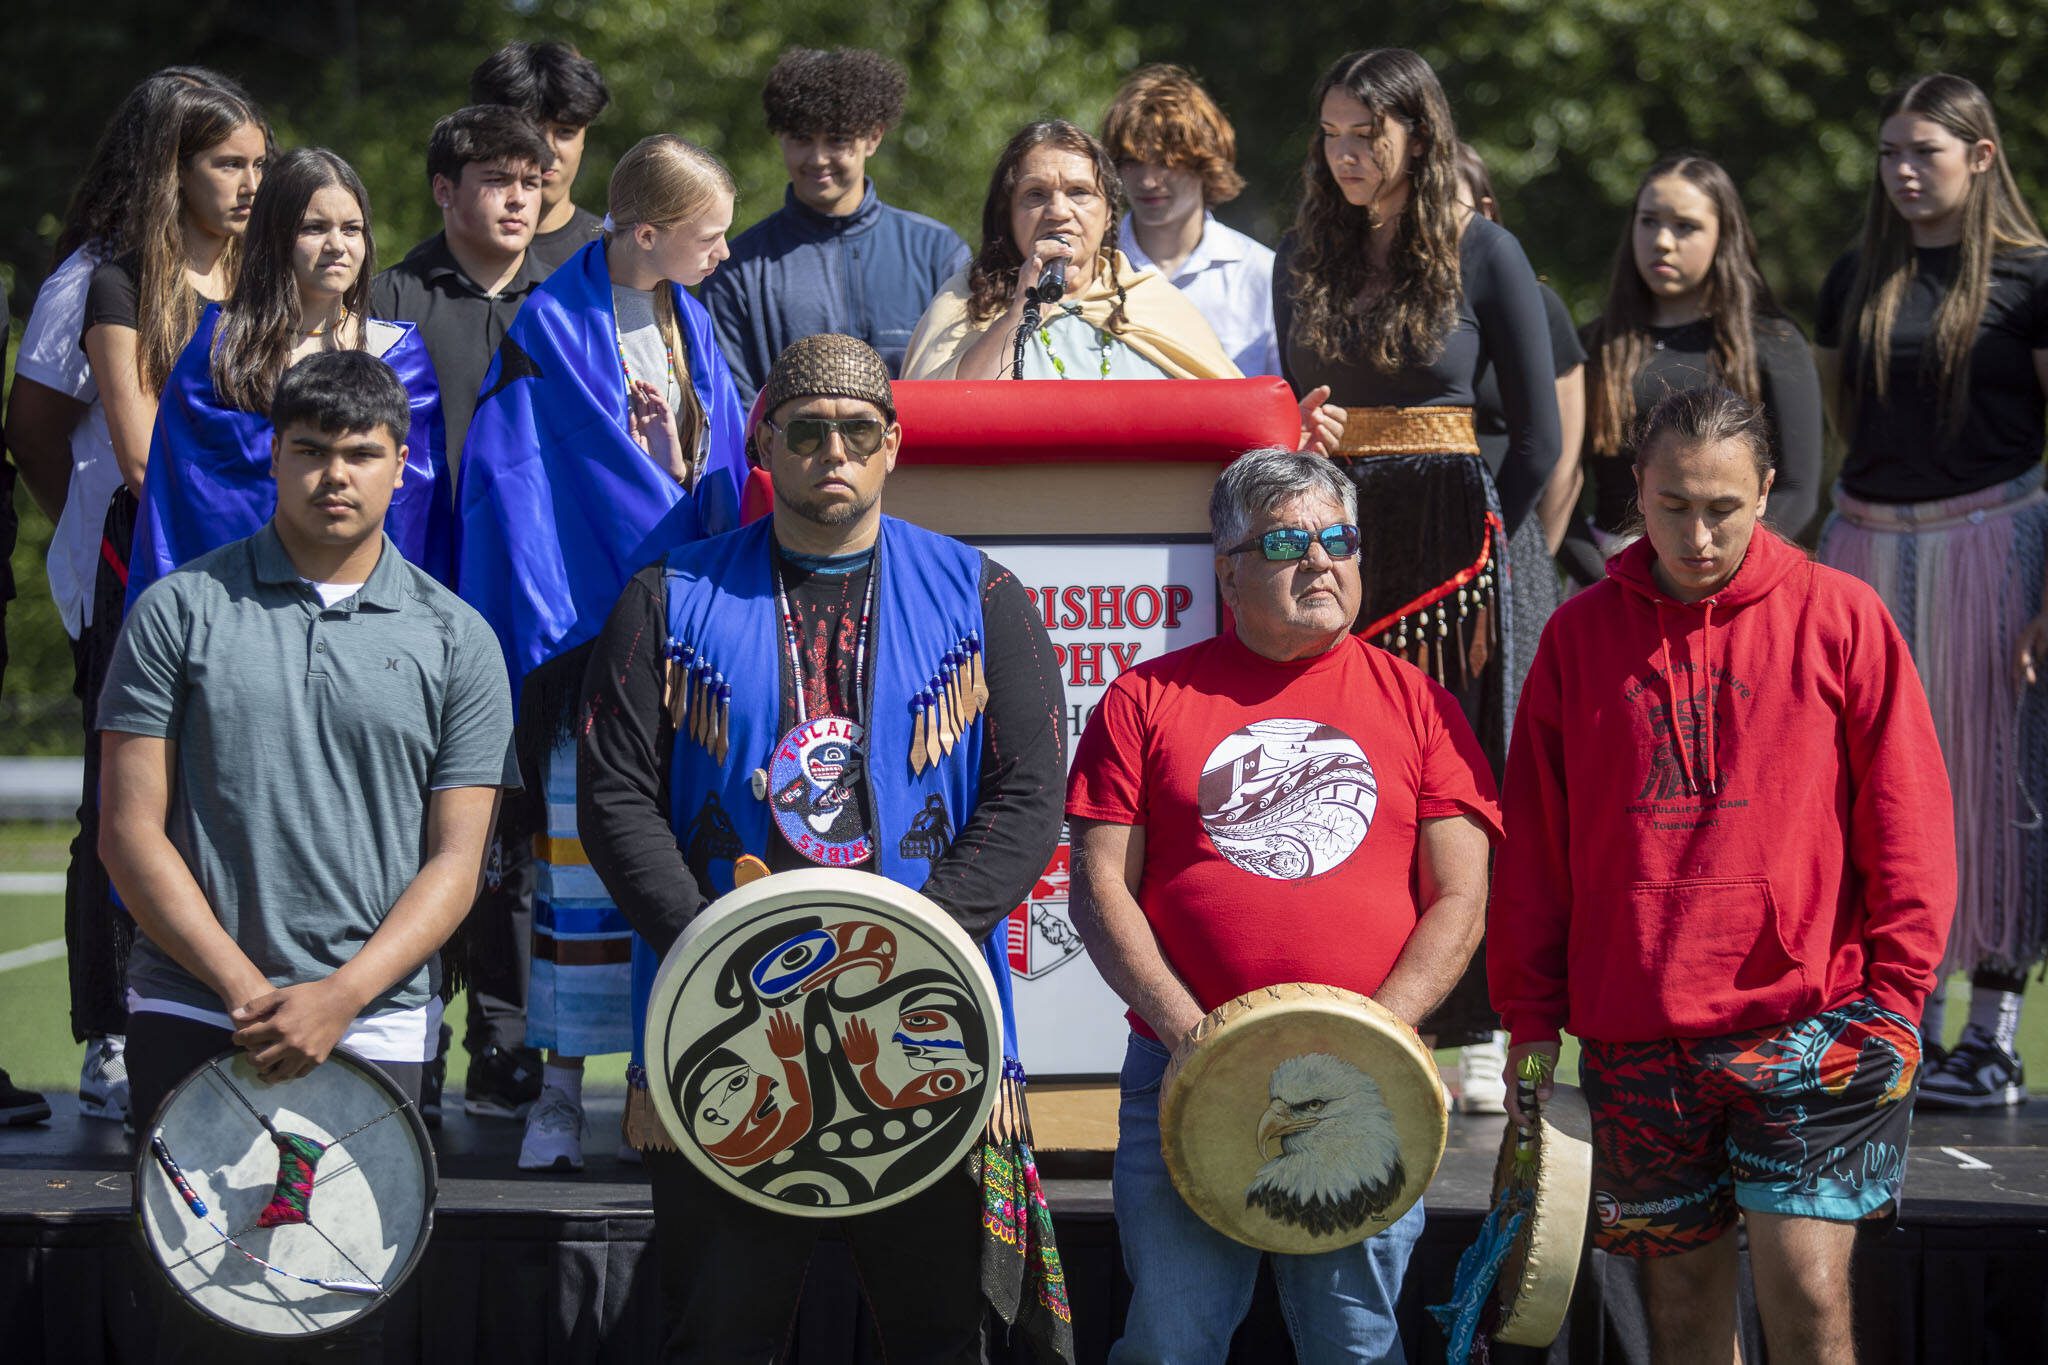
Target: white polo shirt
(1229, 279)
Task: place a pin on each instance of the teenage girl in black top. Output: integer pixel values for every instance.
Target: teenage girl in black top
(1687, 307)
(1397, 300)
(1933, 336)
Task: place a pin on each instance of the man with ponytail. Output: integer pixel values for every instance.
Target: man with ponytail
(608, 429)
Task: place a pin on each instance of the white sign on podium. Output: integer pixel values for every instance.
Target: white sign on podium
(1108, 606)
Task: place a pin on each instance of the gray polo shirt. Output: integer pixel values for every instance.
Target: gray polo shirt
(307, 742)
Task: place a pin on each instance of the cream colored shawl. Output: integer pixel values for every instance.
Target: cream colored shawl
(1159, 324)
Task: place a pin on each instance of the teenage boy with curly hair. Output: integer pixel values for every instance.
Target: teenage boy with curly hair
(834, 257)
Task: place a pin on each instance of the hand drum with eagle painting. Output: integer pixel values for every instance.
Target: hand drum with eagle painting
(1301, 1118)
(824, 1042)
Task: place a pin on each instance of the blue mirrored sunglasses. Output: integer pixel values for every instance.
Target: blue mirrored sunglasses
(1291, 542)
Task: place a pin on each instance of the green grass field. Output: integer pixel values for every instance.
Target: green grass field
(35, 1032)
(35, 1009)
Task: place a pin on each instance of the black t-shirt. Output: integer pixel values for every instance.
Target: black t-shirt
(553, 248)
(460, 324)
(1500, 324)
(1566, 355)
(1682, 360)
(112, 297)
(1897, 450)
(623, 760)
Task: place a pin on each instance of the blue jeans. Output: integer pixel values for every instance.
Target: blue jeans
(1191, 1285)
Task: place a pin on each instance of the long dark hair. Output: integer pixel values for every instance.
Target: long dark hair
(1995, 219)
(131, 200)
(1735, 295)
(993, 277)
(259, 323)
(1407, 323)
(105, 207)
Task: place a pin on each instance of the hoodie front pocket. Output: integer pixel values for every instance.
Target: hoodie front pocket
(1692, 957)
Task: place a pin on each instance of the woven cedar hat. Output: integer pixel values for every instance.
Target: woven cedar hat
(828, 365)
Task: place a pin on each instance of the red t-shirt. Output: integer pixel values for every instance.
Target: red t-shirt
(1281, 804)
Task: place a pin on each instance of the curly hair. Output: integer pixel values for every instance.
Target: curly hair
(1737, 299)
(846, 90)
(992, 278)
(1415, 302)
(1162, 116)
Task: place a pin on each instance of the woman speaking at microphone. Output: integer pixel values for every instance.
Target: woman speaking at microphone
(1055, 197)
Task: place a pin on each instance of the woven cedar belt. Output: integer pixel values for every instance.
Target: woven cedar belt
(1409, 431)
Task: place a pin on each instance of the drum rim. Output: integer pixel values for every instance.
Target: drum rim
(1523, 1323)
(1399, 1029)
(409, 1111)
(828, 884)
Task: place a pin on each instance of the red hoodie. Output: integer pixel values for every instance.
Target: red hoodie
(1723, 815)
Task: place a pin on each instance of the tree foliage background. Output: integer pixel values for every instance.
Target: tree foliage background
(1568, 100)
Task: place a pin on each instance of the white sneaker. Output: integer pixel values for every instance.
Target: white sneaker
(554, 1133)
(1481, 1088)
(103, 1080)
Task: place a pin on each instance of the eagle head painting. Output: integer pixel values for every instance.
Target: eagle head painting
(1333, 1158)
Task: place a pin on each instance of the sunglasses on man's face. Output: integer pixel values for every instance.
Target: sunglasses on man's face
(807, 435)
(1291, 542)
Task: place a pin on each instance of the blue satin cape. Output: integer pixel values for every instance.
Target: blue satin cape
(209, 478)
(559, 505)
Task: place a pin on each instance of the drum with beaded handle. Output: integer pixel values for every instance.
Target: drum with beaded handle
(1300, 1118)
(824, 1042)
(288, 1209)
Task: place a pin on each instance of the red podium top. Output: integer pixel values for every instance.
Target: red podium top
(1190, 421)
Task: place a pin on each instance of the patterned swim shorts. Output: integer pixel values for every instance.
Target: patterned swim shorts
(1808, 1119)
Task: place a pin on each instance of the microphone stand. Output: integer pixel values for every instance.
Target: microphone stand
(1024, 331)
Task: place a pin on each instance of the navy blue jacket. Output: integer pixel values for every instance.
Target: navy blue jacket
(797, 273)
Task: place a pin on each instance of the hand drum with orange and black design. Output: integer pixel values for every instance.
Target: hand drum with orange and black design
(1301, 1118)
(824, 1042)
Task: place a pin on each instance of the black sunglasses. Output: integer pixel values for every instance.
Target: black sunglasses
(806, 435)
(1291, 542)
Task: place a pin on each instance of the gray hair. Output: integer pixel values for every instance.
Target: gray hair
(1262, 481)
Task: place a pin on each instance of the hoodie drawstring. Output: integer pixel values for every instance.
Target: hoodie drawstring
(1681, 736)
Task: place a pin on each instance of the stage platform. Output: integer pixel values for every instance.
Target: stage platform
(528, 1268)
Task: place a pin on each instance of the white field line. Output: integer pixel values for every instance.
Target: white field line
(29, 956)
(31, 883)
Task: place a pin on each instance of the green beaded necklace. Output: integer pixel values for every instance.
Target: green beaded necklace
(1059, 367)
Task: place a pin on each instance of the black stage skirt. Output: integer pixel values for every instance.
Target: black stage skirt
(1431, 564)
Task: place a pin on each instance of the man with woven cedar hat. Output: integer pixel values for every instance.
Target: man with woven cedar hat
(921, 664)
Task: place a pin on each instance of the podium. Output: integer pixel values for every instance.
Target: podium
(1096, 495)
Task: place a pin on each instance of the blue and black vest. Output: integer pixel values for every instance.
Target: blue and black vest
(723, 618)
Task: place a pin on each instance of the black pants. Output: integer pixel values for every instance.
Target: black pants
(97, 930)
(163, 1050)
(731, 1273)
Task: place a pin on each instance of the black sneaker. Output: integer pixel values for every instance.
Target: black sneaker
(1977, 1074)
(433, 1078)
(503, 1082)
(18, 1106)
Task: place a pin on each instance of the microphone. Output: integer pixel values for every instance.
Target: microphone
(1052, 284)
